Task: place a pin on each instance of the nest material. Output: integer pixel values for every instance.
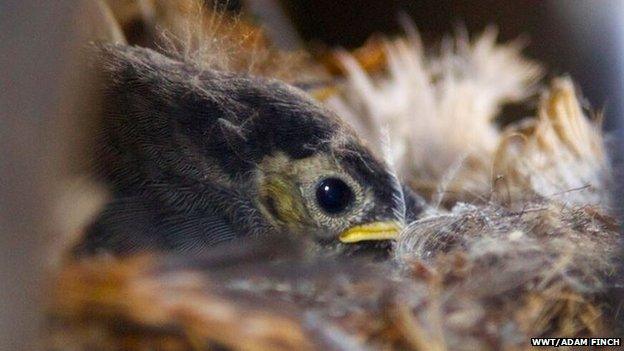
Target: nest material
(479, 278)
(438, 109)
(530, 256)
(210, 38)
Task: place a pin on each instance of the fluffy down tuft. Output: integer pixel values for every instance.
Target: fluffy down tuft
(438, 109)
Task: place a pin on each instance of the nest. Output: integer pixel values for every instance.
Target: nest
(518, 240)
(479, 278)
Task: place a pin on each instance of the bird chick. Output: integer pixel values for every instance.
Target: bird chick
(195, 157)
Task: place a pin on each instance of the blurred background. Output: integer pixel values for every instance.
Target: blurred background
(37, 44)
(580, 38)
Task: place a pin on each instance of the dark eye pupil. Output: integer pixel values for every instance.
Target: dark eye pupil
(333, 195)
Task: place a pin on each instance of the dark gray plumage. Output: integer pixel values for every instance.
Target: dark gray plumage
(196, 157)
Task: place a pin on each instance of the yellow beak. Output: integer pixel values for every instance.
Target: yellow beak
(371, 231)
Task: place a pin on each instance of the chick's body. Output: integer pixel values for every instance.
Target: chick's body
(195, 157)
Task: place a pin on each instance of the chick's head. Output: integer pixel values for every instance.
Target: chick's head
(254, 153)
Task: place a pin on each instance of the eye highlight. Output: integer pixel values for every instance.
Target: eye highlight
(333, 195)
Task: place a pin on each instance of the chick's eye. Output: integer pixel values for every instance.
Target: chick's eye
(333, 195)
